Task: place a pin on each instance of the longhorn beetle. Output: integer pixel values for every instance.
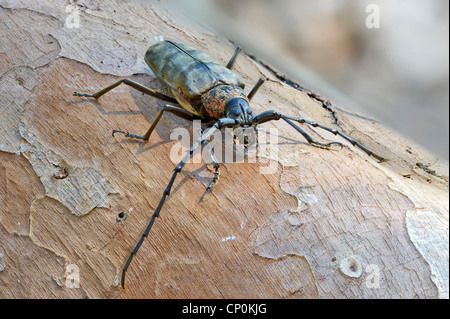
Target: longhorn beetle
(206, 90)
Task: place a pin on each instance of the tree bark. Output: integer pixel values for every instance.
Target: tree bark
(75, 200)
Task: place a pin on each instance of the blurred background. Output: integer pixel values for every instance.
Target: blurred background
(387, 59)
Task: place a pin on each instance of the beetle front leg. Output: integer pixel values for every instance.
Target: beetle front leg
(215, 165)
(274, 115)
(336, 132)
(311, 140)
(214, 160)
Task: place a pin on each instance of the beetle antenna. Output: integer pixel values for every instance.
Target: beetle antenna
(255, 88)
(203, 137)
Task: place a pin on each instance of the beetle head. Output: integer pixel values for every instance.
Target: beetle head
(238, 109)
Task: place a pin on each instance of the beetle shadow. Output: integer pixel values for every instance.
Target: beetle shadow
(188, 175)
(150, 106)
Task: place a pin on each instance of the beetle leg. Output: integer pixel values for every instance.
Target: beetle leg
(233, 58)
(169, 108)
(215, 165)
(215, 177)
(311, 140)
(214, 162)
(348, 138)
(255, 88)
(274, 115)
(133, 84)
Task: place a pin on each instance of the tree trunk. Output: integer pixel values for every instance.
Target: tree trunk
(302, 222)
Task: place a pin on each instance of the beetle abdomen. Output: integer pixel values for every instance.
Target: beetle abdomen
(187, 70)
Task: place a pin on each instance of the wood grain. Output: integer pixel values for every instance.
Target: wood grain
(322, 225)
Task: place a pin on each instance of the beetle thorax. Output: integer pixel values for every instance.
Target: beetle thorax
(218, 97)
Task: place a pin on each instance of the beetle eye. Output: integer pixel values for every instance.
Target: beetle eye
(249, 111)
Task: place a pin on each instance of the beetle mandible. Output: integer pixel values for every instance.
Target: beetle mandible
(204, 89)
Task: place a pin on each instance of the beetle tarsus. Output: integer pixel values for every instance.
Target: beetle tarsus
(328, 146)
(83, 94)
(118, 131)
(215, 177)
(128, 134)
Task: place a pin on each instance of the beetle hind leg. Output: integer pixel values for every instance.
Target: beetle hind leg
(169, 108)
(133, 84)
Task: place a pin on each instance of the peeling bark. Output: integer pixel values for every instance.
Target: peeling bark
(325, 224)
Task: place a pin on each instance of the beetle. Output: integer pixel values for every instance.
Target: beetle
(204, 89)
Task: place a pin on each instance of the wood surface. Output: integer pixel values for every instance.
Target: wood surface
(323, 224)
